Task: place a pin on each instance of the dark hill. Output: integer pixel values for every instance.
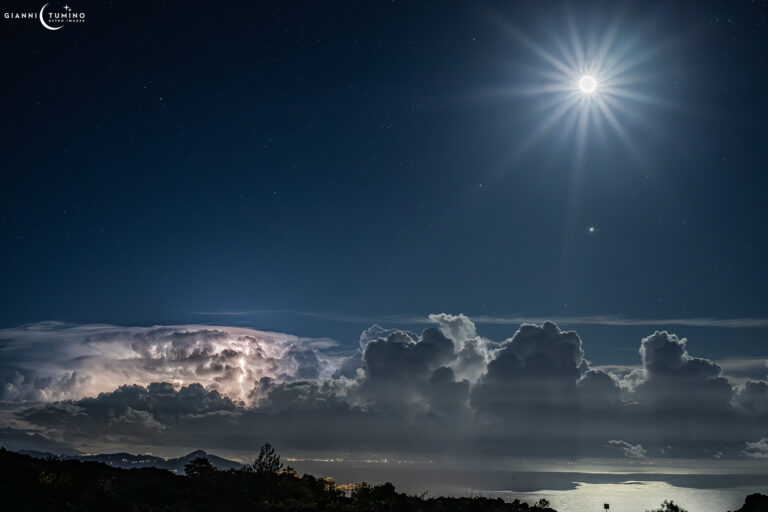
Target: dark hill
(129, 461)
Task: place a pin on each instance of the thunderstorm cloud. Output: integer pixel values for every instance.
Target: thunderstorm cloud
(446, 389)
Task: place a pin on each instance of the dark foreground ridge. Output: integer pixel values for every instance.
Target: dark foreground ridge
(29, 483)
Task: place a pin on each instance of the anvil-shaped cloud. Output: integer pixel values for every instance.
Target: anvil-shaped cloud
(54, 361)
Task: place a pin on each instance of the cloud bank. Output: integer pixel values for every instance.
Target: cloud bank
(445, 390)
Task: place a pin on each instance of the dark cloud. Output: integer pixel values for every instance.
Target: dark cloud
(399, 356)
(399, 372)
(537, 368)
(132, 413)
(445, 395)
(598, 390)
(350, 365)
(752, 398)
(306, 396)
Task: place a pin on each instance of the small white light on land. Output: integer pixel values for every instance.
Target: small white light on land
(587, 84)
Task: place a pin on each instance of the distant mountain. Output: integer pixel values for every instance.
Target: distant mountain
(19, 439)
(128, 461)
(218, 462)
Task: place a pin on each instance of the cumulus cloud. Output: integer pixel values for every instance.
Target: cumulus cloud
(631, 451)
(757, 450)
(538, 367)
(403, 373)
(445, 390)
(54, 361)
(672, 380)
(472, 352)
(752, 398)
(457, 327)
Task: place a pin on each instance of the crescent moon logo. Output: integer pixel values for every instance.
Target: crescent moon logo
(42, 20)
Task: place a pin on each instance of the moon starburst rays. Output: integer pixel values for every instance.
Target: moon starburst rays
(588, 85)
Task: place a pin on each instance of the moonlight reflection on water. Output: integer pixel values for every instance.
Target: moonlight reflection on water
(634, 496)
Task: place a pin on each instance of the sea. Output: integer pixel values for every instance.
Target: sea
(569, 486)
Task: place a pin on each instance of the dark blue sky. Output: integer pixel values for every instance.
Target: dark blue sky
(354, 159)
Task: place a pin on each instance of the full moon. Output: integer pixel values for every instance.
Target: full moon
(587, 84)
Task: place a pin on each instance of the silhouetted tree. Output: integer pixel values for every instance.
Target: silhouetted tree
(361, 493)
(199, 468)
(268, 460)
(669, 506)
(755, 503)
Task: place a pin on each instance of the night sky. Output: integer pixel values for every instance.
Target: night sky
(358, 159)
(314, 168)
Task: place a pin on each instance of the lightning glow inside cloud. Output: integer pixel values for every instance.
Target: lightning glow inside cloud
(55, 361)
